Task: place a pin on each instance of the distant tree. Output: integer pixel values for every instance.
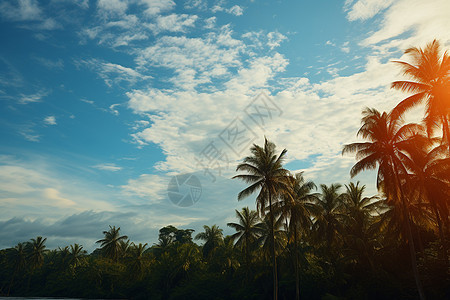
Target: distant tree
(212, 236)
(18, 258)
(111, 244)
(36, 250)
(247, 231)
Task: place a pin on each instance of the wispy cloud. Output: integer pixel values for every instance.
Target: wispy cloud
(30, 98)
(366, 9)
(113, 73)
(50, 120)
(108, 167)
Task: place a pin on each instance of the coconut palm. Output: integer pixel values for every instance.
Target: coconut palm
(246, 231)
(296, 207)
(359, 213)
(76, 255)
(328, 215)
(18, 257)
(429, 181)
(212, 236)
(136, 259)
(36, 250)
(265, 238)
(430, 82)
(111, 245)
(266, 175)
(387, 138)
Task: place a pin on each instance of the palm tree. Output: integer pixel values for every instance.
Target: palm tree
(328, 214)
(137, 259)
(265, 238)
(18, 257)
(296, 207)
(246, 231)
(430, 72)
(212, 236)
(111, 244)
(36, 251)
(266, 174)
(76, 255)
(429, 181)
(387, 139)
(359, 211)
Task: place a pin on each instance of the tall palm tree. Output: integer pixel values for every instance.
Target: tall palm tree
(429, 181)
(265, 173)
(328, 214)
(359, 213)
(137, 259)
(246, 231)
(18, 257)
(111, 244)
(265, 237)
(212, 236)
(296, 207)
(430, 83)
(76, 255)
(387, 138)
(36, 251)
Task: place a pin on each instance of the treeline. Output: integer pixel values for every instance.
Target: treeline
(303, 241)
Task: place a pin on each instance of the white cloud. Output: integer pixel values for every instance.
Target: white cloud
(366, 9)
(426, 19)
(108, 7)
(173, 23)
(275, 39)
(149, 186)
(108, 167)
(22, 10)
(36, 97)
(210, 22)
(113, 73)
(235, 10)
(50, 120)
(155, 7)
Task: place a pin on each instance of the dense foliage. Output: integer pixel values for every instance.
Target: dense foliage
(303, 241)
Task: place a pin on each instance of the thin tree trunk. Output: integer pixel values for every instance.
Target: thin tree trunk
(412, 249)
(441, 234)
(272, 246)
(297, 281)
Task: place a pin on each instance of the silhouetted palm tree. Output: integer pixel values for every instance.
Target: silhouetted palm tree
(111, 244)
(328, 215)
(430, 72)
(359, 212)
(212, 236)
(296, 207)
(36, 250)
(136, 260)
(388, 138)
(246, 231)
(265, 173)
(18, 258)
(429, 181)
(76, 255)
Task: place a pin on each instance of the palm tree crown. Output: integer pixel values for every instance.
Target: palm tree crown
(111, 244)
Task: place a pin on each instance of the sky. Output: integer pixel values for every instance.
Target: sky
(105, 103)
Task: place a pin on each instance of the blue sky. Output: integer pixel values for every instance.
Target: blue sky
(102, 102)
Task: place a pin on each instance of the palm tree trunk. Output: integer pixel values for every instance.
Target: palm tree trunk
(272, 249)
(297, 281)
(441, 234)
(247, 258)
(412, 249)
